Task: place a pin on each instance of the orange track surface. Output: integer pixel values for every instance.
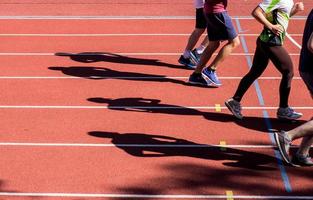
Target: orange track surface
(118, 78)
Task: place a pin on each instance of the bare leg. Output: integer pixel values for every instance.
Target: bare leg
(194, 38)
(206, 55)
(305, 145)
(205, 42)
(305, 131)
(224, 52)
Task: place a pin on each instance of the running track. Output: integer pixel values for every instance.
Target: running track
(94, 105)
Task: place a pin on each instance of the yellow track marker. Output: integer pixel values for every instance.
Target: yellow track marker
(218, 108)
(229, 195)
(223, 145)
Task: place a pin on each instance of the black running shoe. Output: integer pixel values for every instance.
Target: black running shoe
(302, 160)
(197, 79)
(187, 62)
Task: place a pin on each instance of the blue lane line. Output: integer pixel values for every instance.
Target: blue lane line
(265, 113)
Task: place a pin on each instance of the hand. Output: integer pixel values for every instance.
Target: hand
(299, 6)
(277, 29)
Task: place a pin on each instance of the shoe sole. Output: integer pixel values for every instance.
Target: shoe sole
(197, 83)
(232, 111)
(188, 66)
(206, 78)
(276, 137)
(288, 118)
(201, 84)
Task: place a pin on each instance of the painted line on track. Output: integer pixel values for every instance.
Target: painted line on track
(222, 145)
(135, 77)
(289, 36)
(282, 169)
(118, 53)
(147, 196)
(143, 107)
(34, 17)
(110, 34)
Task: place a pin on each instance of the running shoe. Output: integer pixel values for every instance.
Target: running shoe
(197, 79)
(195, 56)
(234, 107)
(187, 62)
(288, 114)
(211, 77)
(302, 160)
(283, 144)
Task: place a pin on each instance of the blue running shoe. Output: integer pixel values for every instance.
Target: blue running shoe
(187, 62)
(195, 56)
(197, 79)
(210, 76)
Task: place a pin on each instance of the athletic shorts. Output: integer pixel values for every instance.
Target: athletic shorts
(308, 80)
(200, 19)
(220, 27)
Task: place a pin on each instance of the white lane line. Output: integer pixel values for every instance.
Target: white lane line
(293, 41)
(34, 17)
(143, 107)
(118, 53)
(110, 34)
(133, 145)
(146, 196)
(134, 77)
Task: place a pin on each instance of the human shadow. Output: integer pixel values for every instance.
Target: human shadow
(99, 73)
(91, 57)
(209, 179)
(146, 145)
(138, 104)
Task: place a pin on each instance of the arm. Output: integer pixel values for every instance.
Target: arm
(310, 43)
(258, 14)
(296, 8)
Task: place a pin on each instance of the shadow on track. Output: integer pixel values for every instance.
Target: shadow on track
(155, 106)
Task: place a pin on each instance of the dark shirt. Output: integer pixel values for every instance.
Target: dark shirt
(306, 56)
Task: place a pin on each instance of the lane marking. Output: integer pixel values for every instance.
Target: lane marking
(34, 17)
(123, 53)
(223, 146)
(282, 169)
(109, 34)
(133, 77)
(218, 108)
(30, 144)
(293, 41)
(146, 196)
(143, 107)
(230, 195)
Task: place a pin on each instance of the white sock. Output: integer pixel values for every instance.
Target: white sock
(200, 49)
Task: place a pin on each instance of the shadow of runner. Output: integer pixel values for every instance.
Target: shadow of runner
(201, 179)
(91, 57)
(99, 73)
(138, 104)
(145, 145)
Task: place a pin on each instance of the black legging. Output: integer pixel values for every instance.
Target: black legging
(282, 61)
